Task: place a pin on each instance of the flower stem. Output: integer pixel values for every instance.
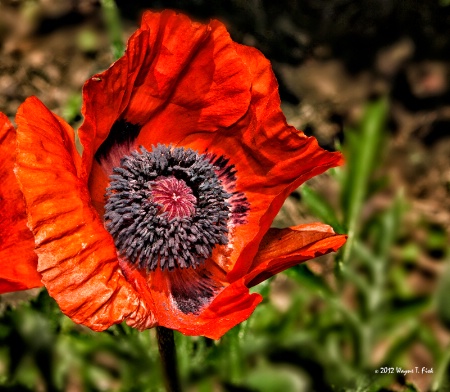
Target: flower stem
(166, 345)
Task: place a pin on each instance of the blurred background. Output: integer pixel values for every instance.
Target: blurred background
(371, 78)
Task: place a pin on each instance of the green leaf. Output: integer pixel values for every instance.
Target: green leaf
(442, 295)
(303, 275)
(441, 380)
(232, 360)
(401, 345)
(406, 309)
(388, 231)
(277, 379)
(361, 152)
(111, 17)
(320, 208)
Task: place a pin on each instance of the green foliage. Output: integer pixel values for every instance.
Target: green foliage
(362, 150)
(381, 310)
(320, 208)
(114, 26)
(40, 346)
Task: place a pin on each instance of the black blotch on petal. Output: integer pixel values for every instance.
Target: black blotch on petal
(122, 132)
(226, 172)
(193, 291)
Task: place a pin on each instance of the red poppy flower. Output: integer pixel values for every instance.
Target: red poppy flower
(187, 159)
(18, 262)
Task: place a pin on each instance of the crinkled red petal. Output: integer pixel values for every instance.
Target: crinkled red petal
(176, 77)
(193, 91)
(228, 306)
(76, 255)
(18, 262)
(189, 85)
(272, 159)
(280, 249)
(283, 248)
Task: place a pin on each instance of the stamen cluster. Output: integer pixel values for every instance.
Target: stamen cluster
(166, 208)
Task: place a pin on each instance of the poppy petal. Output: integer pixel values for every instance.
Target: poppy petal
(283, 248)
(176, 300)
(17, 258)
(76, 255)
(280, 249)
(173, 68)
(271, 159)
(231, 307)
(193, 68)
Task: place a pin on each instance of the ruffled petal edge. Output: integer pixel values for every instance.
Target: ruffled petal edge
(281, 249)
(76, 255)
(17, 258)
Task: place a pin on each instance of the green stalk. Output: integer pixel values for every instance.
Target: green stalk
(442, 381)
(111, 17)
(320, 208)
(166, 346)
(361, 162)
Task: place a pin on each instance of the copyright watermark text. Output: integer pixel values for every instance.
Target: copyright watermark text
(399, 370)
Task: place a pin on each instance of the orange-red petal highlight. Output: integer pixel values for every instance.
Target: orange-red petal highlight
(283, 248)
(76, 256)
(271, 158)
(18, 261)
(230, 306)
(173, 68)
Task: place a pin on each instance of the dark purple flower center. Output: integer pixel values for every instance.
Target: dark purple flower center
(167, 208)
